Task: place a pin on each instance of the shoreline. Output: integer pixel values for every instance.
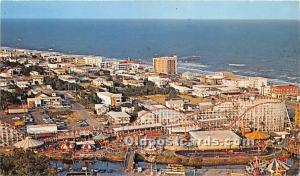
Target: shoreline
(181, 69)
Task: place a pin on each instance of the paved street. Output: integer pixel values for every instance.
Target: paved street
(84, 113)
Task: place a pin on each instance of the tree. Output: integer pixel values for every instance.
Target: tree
(22, 163)
(26, 70)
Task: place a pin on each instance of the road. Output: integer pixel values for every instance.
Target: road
(84, 113)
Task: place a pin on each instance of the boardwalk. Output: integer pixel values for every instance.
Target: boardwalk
(129, 161)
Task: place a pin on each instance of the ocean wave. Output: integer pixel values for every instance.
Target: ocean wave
(195, 65)
(237, 65)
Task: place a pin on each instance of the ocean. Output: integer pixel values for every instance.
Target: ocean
(269, 48)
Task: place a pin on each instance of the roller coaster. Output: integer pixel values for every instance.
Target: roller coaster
(263, 114)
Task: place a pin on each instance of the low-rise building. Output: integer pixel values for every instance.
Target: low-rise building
(22, 84)
(181, 89)
(280, 91)
(101, 109)
(44, 100)
(37, 80)
(3, 82)
(110, 99)
(67, 78)
(118, 118)
(158, 81)
(175, 104)
(102, 81)
(215, 140)
(133, 82)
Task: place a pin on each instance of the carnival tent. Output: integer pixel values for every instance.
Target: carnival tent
(87, 147)
(28, 142)
(257, 135)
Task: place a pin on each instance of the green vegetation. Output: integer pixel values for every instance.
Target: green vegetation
(22, 163)
(149, 88)
(26, 70)
(7, 98)
(89, 98)
(58, 84)
(11, 64)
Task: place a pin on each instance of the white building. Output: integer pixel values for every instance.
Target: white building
(248, 82)
(93, 61)
(163, 116)
(203, 91)
(102, 81)
(181, 89)
(158, 81)
(3, 83)
(67, 78)
(22, 84)
(175, 104)
(118, 118)
(44, 100)
(210, 140)
(110, 99)
(101, 109)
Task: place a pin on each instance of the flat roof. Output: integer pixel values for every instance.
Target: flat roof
(117, 114)
(109, 94)
(220, 135)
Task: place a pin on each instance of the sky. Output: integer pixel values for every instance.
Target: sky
(154, 9)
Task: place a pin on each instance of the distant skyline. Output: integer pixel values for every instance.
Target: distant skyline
(140, 9)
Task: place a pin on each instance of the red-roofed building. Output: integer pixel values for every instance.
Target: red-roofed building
(280, 91)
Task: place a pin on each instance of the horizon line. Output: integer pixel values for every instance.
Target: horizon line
(246, 19)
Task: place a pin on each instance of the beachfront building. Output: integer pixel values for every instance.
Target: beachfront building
(248, 82)
(280, 91)
(212, 78)
(93, 61)
(110, 99)
(165, 65)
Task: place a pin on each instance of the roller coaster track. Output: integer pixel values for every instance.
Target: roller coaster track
(191, 120)
(235, 120)
(9, 135)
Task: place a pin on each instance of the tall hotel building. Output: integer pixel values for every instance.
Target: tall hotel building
(165, 65)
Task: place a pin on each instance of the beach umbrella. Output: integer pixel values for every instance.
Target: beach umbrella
(257, 135)
(28, 142)
(71, 146)
(64, 146)
(87, 147)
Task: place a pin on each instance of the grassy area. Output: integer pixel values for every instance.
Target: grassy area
(192, 99)
(158, 98)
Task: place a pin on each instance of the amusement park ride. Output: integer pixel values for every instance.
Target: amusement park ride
(234, 118)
